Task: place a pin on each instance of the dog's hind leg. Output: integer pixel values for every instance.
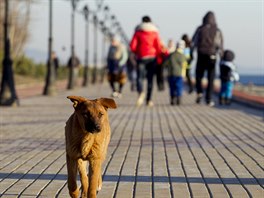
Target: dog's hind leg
(94, 176)
(82, 166)
(72, 177)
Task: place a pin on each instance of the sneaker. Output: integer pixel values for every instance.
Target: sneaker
(119, 95)
(190, 91)
(140, 99)
(211, 103)
(150, 104)
(199, 98)
(114, 94)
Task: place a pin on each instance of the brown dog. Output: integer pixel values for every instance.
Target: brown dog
(87, 134)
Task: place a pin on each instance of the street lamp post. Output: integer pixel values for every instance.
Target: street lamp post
(99, 4)
(94, 76)
(104, 32)
(113, 18)
(86, 61)
(8, 96)
(72, 75)
(50, 88)
(103, 29)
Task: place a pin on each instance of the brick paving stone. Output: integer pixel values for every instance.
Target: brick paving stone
(107, 190)
(217, 189)
(164, 151)
(180, 189)
(125, 189)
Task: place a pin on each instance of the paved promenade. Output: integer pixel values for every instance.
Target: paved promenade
(164, 151)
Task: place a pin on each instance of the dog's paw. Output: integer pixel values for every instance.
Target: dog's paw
(99, 187)
(100, 184)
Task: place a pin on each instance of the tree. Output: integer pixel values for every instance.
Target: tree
(14, 35)
(19, 19)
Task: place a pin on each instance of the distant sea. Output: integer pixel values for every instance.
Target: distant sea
(255, 79)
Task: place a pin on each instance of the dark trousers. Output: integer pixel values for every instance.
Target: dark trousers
(113, 86)
(160, 77)
(189, 80)
(146, 68)
(205, 64)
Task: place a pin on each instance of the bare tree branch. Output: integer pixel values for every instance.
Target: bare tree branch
(19, 25)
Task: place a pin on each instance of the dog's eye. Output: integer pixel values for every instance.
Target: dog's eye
(100, 114)
(86, 115)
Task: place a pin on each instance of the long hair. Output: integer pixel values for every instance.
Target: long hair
(187, 40)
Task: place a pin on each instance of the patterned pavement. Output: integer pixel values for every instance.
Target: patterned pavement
(164, 151)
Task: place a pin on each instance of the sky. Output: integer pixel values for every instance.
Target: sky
(241, 22)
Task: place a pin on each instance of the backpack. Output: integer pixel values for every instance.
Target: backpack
(114, 53)
(208, 40)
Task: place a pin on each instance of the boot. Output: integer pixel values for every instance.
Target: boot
(199, 98)
(178, 100)
(221, 100)
(228, 101)
(173, 100)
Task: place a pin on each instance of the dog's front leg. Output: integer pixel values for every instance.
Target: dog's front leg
(100, 182)
(72, 177)
(83, 176)
(94, 176)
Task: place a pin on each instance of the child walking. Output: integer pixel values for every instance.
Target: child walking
(228, 76)
(176, 65)
(116, 62)
(187, 53)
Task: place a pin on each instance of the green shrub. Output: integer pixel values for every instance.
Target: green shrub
(40, 70)
(24, 66)
(62, 73)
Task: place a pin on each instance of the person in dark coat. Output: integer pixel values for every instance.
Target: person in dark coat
(208, 41)
(75, 63)
(55, 62)
(132, 71)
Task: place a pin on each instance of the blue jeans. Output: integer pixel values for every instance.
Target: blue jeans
(226, 89)
(146, 68)
(176, 86)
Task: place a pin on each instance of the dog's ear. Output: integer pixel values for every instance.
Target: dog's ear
(76, 100)
(107, 103)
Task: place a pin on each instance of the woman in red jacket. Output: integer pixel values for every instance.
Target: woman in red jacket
(146, 45)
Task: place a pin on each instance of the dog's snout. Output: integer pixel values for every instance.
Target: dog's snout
(97, 127)
(93, 127)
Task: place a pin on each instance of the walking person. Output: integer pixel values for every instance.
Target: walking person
(116, 63)
(176, 65)
(171, 46)
(146, 45)
(55, 62)
(209, 41)
(187, 53)
(159, 69)
(75, 62)
(132, 71)
(228, 76)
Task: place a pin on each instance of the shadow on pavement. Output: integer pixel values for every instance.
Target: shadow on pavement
(131, 178)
